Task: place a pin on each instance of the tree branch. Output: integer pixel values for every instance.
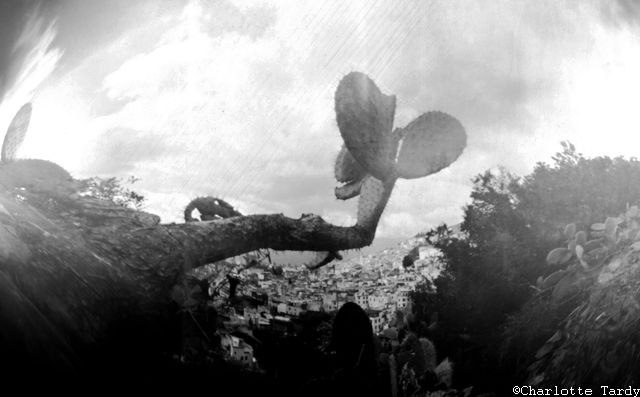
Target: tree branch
(211, 241)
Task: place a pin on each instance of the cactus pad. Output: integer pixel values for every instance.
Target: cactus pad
(347, 168)
(431, 142)
(372, 201)
(16, 133)
(349, 190)
(365, 118)
(210, 208)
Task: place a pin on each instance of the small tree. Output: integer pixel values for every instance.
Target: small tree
(112, 189)
(509, 227)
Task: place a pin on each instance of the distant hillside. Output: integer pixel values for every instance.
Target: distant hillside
(301, 258)
(384, 252)
(392, 253)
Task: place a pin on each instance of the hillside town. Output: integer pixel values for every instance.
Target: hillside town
(379, 283)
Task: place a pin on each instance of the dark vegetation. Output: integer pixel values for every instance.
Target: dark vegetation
(492, 313)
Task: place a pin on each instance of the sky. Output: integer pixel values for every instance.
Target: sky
(234, 98)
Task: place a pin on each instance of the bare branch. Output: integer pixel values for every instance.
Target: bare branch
(207, 242)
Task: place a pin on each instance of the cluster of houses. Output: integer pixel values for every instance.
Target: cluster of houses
(238, 349)
(378, 283)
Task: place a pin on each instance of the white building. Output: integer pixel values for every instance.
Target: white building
(251, 315)
(362, 299)
(237, 349)
(428, 252)
(282, 308)
(377, 301)
(401, 297)
(314, 306)
(330, 301)
(294, 308)
(376, 320)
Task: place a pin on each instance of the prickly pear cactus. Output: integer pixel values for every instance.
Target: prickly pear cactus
(431, 142)
(373, 193)
(367, 164)
(347, 169)
(16, 133)
(365, 118)
(597, 343)
(33, 174)
(210, 208)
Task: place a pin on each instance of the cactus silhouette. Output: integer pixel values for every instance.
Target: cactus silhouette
(210, 208)
(34, 173)
(16, 133)
(367, 162)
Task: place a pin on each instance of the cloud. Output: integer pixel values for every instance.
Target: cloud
(235, 99)
(117, 151)
(621, 13)
(20, 29)
(27, 56)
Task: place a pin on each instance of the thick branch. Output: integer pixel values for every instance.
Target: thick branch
(199, 243)
(206, 242)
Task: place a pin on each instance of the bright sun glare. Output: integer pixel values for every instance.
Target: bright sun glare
(603, 98)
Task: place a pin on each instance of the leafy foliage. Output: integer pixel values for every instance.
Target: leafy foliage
(112, 189)
(596, 340)
(577, 190)
(509, 248)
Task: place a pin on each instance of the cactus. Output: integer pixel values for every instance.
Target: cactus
(349, 190)
(347, 168)
(597, 297)
(367, 161)
(16, 133)
(365, 118)
(38, 175)
(570, 231)
(210, 208)
(348, 171)
(559, 256)
(372, 195)
(431, 142)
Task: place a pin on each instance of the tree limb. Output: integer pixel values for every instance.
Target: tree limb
(211, 241)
